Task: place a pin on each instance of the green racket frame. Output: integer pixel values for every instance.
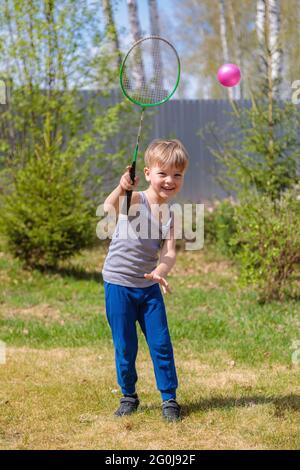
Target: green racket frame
(144, 105)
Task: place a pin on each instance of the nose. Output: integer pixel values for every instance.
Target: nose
(169, 179)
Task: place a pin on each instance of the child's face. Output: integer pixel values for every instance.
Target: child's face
(166, 182)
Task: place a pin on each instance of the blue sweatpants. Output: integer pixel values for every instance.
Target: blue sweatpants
(125, 306)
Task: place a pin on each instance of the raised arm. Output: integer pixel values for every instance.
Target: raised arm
(120, 191)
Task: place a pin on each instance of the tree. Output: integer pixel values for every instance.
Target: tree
(196, 27)
(290, 44)
(197, 30)
(111, 30)
(47, 218)
(50, 51)
(254, 158)
(134, 19)
(224, 39)
(154, 18)
(268, 32)
(139, 71)
(260, 160)
(263, 152)
(236, 38)
(155, 31)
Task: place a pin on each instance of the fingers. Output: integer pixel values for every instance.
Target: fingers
(166, 288)
(125, 181)
(164, 284)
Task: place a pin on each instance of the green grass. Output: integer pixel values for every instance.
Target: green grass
(237, 384)
(64, 398)
(206, 311)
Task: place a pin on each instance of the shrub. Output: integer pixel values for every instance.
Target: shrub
(269, 234)
(220, 226)
(46, 217)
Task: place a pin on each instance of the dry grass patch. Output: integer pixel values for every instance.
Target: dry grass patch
(65, 398)
(41, 311)
(200, 264)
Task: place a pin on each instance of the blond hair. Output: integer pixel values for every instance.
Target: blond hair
(167, 153)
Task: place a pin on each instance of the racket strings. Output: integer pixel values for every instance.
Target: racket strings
(150, 71)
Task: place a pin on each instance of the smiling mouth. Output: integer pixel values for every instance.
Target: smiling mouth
(168, 189)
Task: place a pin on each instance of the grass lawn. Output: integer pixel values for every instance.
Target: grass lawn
(237, 385)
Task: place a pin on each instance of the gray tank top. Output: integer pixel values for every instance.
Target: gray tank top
(130, 257)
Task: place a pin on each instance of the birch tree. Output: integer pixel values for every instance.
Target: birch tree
(262, 155)
(236, 38)
(134, 20)
(268, 33)
(111, 31)
(139, 71)
(197, 30)
(223, 36)
(155, 31)
(290, 42)
(154, 18)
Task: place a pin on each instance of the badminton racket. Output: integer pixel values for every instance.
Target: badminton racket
(149, 76)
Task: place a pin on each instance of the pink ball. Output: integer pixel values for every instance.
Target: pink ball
(229, 75)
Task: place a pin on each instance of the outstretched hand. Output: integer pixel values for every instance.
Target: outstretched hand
(156, 277)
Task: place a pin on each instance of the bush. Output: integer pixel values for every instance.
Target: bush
(269, 235)
(220, 226)
(46, 216)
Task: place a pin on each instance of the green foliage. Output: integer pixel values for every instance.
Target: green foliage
(51, 125)
(46, 216)
(63, 53)
(262, 153)
(260, 161)
(220, 226)
(269, 234)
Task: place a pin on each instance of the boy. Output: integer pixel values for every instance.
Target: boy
(132, 277)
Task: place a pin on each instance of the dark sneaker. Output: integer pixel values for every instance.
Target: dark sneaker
(171, 410)
(128, 405)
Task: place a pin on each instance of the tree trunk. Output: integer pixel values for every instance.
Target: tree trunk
(268, 29)
(134, 19)
(111, 30)
(155, 31)
(136, 33)
(154, 19)
(268, 25)
(238, 89)
(224, 38)
(276, 53)
(260, 21)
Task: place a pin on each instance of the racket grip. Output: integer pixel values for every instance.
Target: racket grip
(129, 193)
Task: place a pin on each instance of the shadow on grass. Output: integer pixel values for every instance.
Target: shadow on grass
(285, 403)
(74, 272)
(282, 404)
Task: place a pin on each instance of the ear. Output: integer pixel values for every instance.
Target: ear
(147, 173)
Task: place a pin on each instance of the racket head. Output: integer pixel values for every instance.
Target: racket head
(150, 71)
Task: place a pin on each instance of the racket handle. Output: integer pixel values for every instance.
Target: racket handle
(129, 193)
